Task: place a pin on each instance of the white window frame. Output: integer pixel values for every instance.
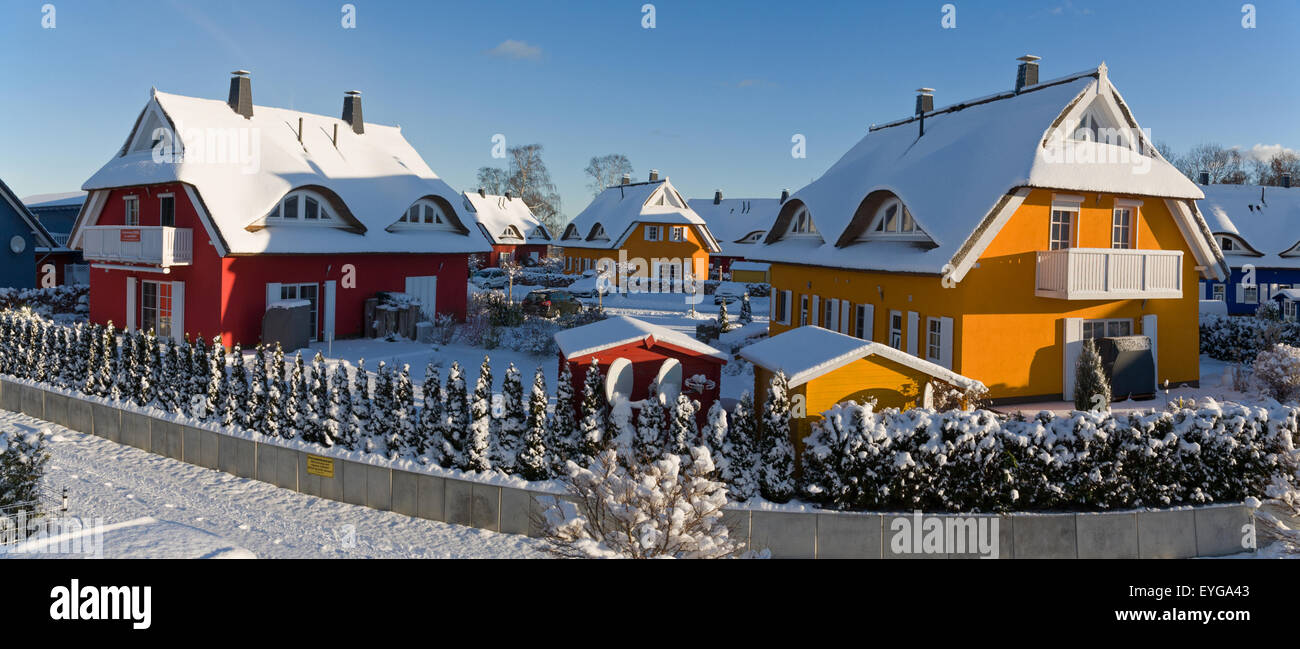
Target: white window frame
(131, 205)
(803, 310)
(830, 317)
(297, 291)
(677, 233)
(428, 215)
(934, 340)
(324, 218)
(1247, 298)
(801, 223)
(1106, 324)
(652, 233)
(784, 306)
(862, 322)
(1219, 291)
(157, 307)
(1121, 227)
(896, 329)
(1071, 218)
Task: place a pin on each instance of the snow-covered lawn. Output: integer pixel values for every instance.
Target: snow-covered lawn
(155, 507)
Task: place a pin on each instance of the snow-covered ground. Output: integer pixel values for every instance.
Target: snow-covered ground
(155, 507)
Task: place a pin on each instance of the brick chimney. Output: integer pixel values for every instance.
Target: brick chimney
(241, 93)
(352, 111)
(1027, 72)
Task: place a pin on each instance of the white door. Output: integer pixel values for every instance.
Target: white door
(424, 289)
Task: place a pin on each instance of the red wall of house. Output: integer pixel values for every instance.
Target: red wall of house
(243, 290)
(645, 367)
(58, 260)
(202, 277)
(494, 257)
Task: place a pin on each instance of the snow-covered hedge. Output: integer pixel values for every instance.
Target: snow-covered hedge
(1242, 338)
(858, 458)
(58, 299)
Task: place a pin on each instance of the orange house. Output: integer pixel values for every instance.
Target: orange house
(640, 231)
(992, 236)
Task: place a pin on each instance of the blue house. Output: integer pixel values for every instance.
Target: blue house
(57, 213)
(1258, 229)
(23, 239)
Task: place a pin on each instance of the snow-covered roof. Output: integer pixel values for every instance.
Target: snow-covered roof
(375, 176)
(971, 156)
(805, 353)
(732, 219)
(42, 236)
(1292, 294)
(621, 330)
(57, 200)
(619, 208)
(497, 213)
(1266, 218)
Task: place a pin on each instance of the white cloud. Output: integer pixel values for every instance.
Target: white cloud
(517, 50)
(1264, 152)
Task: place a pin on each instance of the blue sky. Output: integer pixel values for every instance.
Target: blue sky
(711, 96)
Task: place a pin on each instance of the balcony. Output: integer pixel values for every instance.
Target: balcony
(157, 246)
(1109, 274)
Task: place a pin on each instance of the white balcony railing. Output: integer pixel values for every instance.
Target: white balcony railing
(1109, 274)
(160, 246)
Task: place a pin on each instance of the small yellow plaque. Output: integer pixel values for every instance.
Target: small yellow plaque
(321, 466)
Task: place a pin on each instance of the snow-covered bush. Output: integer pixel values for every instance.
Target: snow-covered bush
(860, 458)
(1277, 370)
(776, 454)
(1241, 338)
(22, 465)
(668, 508)
(47, 301)
(1091, 387)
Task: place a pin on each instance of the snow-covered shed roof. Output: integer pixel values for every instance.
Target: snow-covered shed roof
(43, 239)
(621, 330)
(732, 219)
(965, 170)
(371, 178)
(805, 353)
(619, 208)
(54, 201)
(1267, 219)
(498, 214)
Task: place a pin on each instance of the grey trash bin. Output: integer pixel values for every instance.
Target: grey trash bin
(287, 322)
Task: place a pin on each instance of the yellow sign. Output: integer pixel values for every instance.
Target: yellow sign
(321, 466)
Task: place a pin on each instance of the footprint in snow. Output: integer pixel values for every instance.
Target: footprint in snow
(243, 527)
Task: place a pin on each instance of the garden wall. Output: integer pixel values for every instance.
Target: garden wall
(1176, 533)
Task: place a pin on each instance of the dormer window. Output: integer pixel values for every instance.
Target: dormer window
(511, 232)
(802, 223)
(667, 197)
(424, 214)
(571, 232)
(598, 232)
(893, 220)
(753, 237)
(300, 207)
(1227, 244)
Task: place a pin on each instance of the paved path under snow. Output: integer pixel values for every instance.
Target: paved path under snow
(156, 507)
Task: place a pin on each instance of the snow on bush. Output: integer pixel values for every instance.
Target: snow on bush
(57, 299)
(669, 508)
(858, 458)
(22, 465)
(1277, 371)
(1242, 338)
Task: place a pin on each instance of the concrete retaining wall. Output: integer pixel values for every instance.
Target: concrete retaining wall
(1201, 531)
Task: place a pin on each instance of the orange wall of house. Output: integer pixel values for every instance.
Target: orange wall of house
(1004, 335)
(637, 247)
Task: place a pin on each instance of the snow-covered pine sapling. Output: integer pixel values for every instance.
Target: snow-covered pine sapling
(295, 401)
(200, 372)
(562, 440)
(217, 378)
(510, 432)
(776, 475)
(126, 381)
(592, 428)
(406, 419)
(319, 401)
(683, 432)
(533, 461)
(166, 383)
(340, 410)
(723, 321)
(621, 430)
(477, 455)
(235, 410)
(667, 508)
(382, 407)
(429, 429)
(1091, 388)
(362, 407)
(94, 359)
(740, 451)
(257, 392)
(277, 390)
(456, 420)
(715, 432)
(651, 438)
(108, 366)
(746, 311)
(22, 468)
(151, 373)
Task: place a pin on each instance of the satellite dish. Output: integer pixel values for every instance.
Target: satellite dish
(17, 244)
(669, 380)
(618, 382)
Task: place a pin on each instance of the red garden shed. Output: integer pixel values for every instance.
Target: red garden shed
(632, 353)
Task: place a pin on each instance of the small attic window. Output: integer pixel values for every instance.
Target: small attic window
(571, 232)
(1095, 126)
(753, 237)
(511, 232)
(894, 218)
(1227, 244)
(425, 213)
(598, 232)
(300, 206)
(802, 222)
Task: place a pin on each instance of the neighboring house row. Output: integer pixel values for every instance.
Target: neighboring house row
(509, 225)
(185, 239)
(646, 225)
(737, 224)
(992, 236)
(28, 245)
(58, 213)
(1258, 229)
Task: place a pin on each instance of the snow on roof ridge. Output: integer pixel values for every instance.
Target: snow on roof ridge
(807, 352)
(621, 330)
(257, 107)
(997, 96)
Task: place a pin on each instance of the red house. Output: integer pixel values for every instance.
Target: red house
(507, 222)
(212, 210)
(632, 353)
